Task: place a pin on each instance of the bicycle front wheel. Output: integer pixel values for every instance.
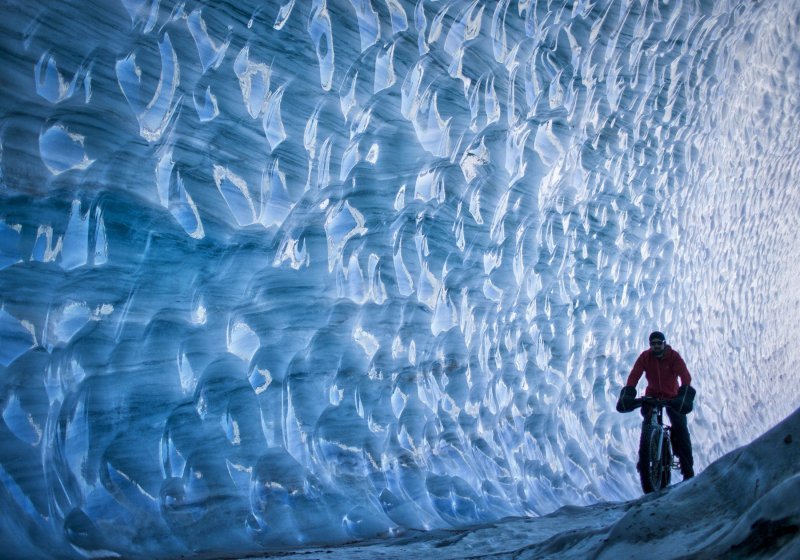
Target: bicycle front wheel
(666, 462)
(651, 467)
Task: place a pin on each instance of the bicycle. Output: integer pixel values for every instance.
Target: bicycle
(656, 460)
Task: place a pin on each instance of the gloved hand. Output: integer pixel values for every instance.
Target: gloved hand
(684, 402)
(627, 396)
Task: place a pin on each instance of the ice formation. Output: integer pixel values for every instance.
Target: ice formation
(746, 504)
(274, 274)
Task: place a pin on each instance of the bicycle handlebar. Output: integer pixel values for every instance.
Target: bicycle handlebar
(682, 404)
(652, 401)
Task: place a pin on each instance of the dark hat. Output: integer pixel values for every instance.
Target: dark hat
(657, 335)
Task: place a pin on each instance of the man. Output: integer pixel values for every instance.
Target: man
(663, 367)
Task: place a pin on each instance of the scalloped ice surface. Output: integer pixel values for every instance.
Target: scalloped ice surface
(286, 273)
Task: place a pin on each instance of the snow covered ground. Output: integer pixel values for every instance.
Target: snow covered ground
(745, 505)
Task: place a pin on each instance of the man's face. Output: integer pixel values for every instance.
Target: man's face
(658, 346)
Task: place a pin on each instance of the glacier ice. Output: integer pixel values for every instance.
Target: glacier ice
(308, 272)
(745, 504)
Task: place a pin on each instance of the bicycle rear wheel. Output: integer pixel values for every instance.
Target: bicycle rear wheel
(651, 466)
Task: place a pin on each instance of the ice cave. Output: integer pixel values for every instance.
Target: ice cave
(290, 273)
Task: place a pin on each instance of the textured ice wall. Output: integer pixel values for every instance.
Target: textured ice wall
(280, 274)
(736, 283)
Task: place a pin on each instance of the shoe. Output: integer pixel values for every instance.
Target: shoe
(688, 474)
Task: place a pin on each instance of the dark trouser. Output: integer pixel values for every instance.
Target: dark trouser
(679, 437)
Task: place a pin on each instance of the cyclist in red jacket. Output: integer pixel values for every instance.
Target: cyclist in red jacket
(663, 367)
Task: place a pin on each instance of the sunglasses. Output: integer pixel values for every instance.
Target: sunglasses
(657, 342)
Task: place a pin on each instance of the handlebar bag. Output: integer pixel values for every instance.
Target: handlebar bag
(627, 399)
(684, 402)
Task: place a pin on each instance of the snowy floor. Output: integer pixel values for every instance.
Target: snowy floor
(745, 505)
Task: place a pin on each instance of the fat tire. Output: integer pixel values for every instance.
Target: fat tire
(666, 462)
(650, 465)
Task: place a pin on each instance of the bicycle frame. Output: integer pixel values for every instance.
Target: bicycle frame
(657, 433)
(657, 422)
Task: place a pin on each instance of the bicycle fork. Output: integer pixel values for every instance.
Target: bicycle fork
(660, 431)
(657, 424)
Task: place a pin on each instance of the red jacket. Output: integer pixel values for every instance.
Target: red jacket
(661, 373)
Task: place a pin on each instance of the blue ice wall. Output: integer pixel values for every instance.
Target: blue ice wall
(274, 274)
